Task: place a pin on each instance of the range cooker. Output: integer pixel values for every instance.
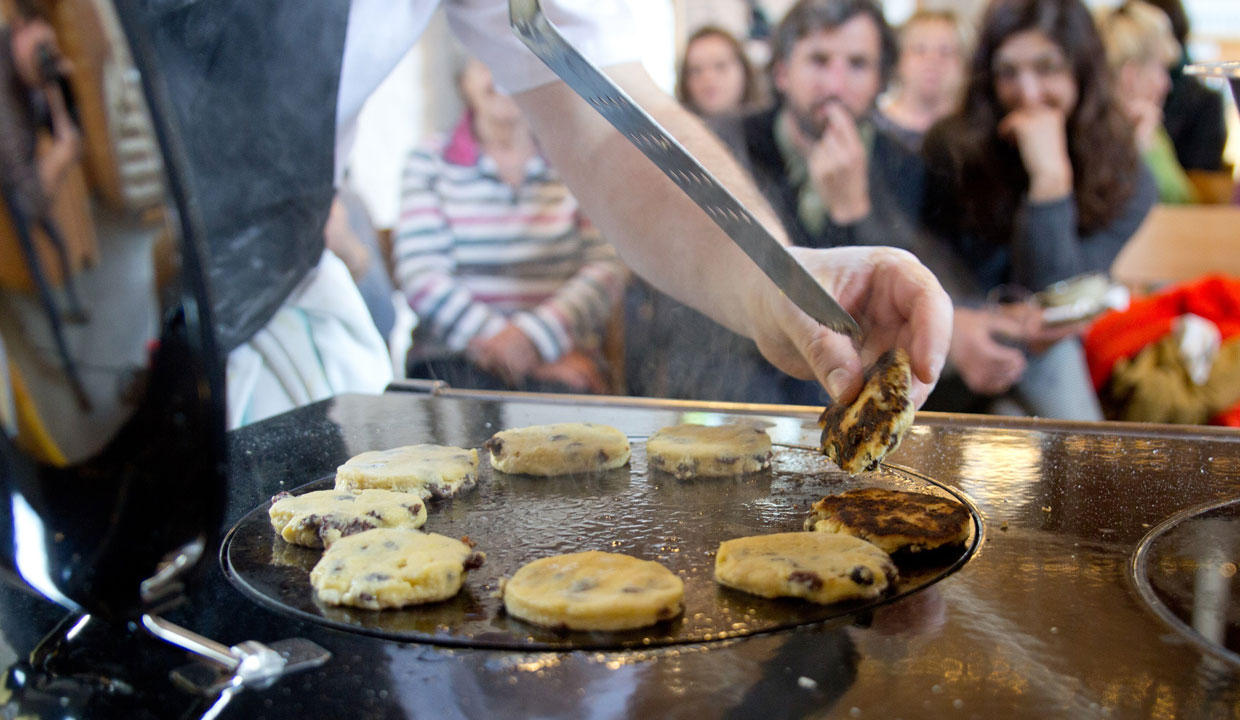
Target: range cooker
(1099, 582)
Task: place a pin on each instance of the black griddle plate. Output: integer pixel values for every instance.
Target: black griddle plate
(516, 519)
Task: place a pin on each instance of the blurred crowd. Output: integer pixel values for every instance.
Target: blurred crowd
(1013, 156)
(1013, 153)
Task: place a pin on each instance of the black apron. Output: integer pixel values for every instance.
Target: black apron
(254, 85)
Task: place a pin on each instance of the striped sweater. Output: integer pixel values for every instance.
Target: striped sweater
(472, 254)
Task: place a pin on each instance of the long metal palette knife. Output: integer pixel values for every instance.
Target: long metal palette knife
(545, 41)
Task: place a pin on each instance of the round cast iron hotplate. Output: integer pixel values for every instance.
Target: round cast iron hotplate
(516, 519)
(1185, 569)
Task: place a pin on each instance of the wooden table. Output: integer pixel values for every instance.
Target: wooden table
(1180, 242)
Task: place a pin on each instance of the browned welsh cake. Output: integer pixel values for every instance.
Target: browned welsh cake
(892, 519)
(858, 435)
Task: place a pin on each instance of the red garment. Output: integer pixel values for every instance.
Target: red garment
(463, 147)
(1123, 333)
(1229, 417)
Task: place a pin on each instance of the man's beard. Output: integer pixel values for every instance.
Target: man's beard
(813, 122)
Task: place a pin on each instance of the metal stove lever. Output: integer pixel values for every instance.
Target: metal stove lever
(203, 647)
(249, 664)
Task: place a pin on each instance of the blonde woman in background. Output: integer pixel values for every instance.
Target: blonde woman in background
(929, 76)
(1140, 48)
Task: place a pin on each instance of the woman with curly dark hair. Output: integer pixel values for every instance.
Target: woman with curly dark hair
(1035, 180)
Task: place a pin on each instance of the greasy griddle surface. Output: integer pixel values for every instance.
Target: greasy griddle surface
(516, 519)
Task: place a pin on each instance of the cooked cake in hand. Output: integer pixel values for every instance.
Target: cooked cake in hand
(709, 451)
(859, 435)
(892, 519)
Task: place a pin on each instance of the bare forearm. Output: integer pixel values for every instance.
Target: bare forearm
(657, 229)
(54, 164)
(66, 145)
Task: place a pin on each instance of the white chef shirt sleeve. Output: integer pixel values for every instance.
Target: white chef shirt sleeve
(604, 31)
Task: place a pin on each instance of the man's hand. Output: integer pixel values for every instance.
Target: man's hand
(1043, 336)
(574, 370)
(339, 237)
(508, 353)
(1041, 136)
(987, 366)
(838, 168)
(66, 146)
(28, 39)
(895, 299)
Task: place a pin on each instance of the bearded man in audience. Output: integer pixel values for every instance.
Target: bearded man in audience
(833, 178)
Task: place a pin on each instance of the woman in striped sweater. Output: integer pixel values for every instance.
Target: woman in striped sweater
(511, 285)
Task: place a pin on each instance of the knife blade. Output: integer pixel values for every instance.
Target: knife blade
(790, 276)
